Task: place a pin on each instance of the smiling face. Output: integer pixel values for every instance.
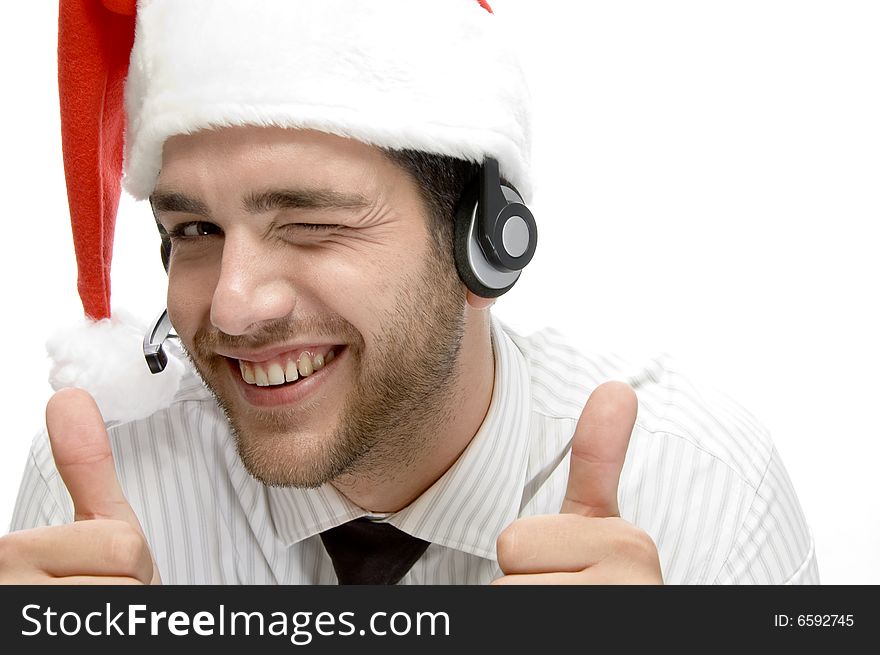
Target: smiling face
(307, 291)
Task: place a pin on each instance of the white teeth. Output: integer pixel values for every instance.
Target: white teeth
(276, 374)
(305, 365)
(247, 372)
(291, 374)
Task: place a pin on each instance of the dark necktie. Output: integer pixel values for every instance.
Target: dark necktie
(370, 552)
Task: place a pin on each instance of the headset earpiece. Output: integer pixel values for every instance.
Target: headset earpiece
(495, 234)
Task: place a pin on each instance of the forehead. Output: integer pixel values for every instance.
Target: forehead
(266, 156)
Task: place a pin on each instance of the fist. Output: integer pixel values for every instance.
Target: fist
(105, 544)
(587, 542)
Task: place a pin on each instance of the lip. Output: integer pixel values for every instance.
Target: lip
(275, 396)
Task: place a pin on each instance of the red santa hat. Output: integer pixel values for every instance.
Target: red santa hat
(439, 76)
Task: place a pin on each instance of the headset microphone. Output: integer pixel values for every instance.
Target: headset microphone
(160, 329)
(155, 337)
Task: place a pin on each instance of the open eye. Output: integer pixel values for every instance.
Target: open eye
(194, 230)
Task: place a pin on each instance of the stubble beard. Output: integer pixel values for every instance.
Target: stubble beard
(401, 397)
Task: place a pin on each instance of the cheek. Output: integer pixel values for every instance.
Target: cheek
(367, 292)
(360, 301)
(189, 300)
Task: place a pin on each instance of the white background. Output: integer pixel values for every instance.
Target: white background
(708, 184)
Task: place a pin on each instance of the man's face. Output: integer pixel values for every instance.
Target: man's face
(291, 245)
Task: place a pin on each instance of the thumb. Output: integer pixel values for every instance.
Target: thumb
(598, 450)
(81, 449)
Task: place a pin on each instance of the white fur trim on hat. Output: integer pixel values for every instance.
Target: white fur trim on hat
(439, 76)
(106, 359)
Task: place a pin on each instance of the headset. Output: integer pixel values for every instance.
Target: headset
(495, 237)
(495, 234)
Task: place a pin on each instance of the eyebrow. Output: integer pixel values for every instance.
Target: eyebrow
(274, 199)
(262, 201)
(177, 202)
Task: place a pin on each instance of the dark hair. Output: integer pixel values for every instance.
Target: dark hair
(441, 181)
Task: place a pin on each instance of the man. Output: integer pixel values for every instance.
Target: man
(309, 191)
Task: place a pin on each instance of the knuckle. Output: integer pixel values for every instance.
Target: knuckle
(125, 548)
(505, 546)
(635, 544)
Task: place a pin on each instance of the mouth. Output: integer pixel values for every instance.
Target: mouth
(287, 377)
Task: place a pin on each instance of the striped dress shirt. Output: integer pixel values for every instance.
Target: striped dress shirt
(701, 476)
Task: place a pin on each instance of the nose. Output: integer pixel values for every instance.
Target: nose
(252, 287)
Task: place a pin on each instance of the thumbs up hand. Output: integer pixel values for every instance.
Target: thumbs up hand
(587, 542)
(105, 544)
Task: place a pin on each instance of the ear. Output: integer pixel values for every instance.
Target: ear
(478, 302)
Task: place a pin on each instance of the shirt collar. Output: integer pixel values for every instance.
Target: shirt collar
(468, 507)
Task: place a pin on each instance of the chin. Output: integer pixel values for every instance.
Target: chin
(279, 454)
(289, 460)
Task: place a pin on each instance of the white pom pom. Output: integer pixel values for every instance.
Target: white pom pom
(106, 359)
